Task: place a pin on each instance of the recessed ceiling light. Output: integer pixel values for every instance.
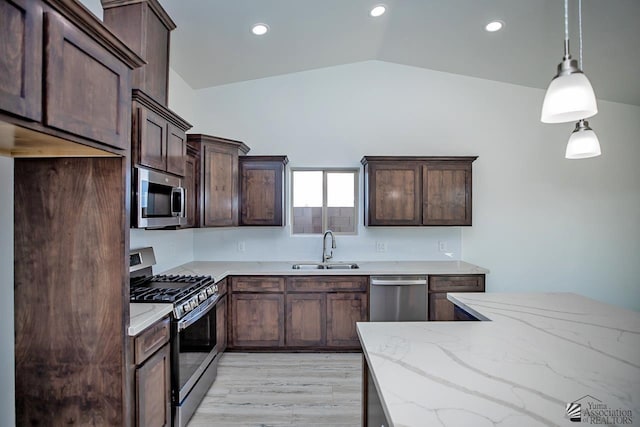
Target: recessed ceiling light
(494, 26)
(260, 29)
(379, 10)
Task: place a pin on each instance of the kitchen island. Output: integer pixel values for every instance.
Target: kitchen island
(536, 360)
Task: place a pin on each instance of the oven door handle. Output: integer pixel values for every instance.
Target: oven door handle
(197, 313)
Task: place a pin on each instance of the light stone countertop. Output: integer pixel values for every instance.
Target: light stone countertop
(537, 353)
(221, 269)
(143, 315)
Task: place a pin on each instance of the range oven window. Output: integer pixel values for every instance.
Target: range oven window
(195, 347)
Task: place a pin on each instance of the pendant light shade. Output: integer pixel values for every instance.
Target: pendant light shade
(569, 97)
(583, 142)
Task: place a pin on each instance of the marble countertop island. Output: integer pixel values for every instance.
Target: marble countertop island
(535, 354)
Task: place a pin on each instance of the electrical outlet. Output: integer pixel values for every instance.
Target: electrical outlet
(381, 246)
(241, 246)
(442, 246)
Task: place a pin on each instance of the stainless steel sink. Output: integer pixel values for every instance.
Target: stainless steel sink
(319, 266)
(308, 266)
(342, 266)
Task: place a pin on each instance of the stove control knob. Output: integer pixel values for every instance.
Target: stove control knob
(186, 307)
(194, 303)
(209, 290)
(215, 289)
(202, 296)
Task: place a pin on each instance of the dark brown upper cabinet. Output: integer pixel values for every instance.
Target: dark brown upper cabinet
(414, 191)
(217, 203)
(262, 190)
(191, 184)
(21, 61)
(146, 27)
(159, 140)
(63, 74)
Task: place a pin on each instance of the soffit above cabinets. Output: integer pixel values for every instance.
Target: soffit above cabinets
(213, 44)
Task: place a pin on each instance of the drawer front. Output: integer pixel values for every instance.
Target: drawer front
(327, 284)
(257, 284)
(466, 283)
(222, 287)
(151, 339)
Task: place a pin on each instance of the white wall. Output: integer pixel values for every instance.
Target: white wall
(541, 222)
(172, 248)
(7, 364)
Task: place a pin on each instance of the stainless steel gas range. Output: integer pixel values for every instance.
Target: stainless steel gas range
(193, 329)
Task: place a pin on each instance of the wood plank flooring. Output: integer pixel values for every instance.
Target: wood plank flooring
(284, 389)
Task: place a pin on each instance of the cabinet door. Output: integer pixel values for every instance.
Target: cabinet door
(306, 320)
(220, 186)
(191, 189)
(257, 320)
(176, 150)
(395, 193)
(153, 139)
(343, 311)
(21, 58)
(446, 193)
(221, 324)
(87, 89)
(440, 308)
(261, 194)
(153, 390)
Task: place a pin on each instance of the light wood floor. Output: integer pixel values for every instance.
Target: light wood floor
(272, 390)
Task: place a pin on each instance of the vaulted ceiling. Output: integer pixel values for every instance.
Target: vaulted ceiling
(213, 44)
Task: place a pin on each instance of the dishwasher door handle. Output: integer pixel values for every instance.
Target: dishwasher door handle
(403, 282)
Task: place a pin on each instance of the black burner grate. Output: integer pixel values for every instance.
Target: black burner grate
(166, 288)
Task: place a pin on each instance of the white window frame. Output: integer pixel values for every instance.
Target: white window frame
(356, 198)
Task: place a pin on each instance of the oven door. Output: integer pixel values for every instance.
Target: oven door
(193, 348)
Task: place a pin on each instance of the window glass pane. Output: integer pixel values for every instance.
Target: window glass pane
(340, 190)
(307, 189)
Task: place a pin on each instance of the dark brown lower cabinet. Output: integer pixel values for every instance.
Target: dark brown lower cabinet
(257, 320)
(153, 376)
(153, 390)
(309, 313)
(306, 320)
(343, 311)
(440, 308)
(221, 323)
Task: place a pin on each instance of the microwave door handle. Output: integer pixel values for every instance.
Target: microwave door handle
(177, 192)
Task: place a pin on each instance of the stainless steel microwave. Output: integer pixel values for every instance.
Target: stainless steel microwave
(158, 199)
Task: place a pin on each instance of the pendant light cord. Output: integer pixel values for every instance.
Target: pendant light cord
(580, 31)
(566, 29)
(566, 20)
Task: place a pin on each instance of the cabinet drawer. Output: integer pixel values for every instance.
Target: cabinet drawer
(222, 287)
(151, 340)
(467, 283)
(258, 284)
(327, 284)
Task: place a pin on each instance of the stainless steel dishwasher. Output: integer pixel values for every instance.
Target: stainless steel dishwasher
(398, 299)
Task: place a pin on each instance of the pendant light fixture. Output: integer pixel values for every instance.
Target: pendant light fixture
(583, 142)
(570, 95)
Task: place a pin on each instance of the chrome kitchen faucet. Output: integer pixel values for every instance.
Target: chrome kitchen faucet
(326, 257)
